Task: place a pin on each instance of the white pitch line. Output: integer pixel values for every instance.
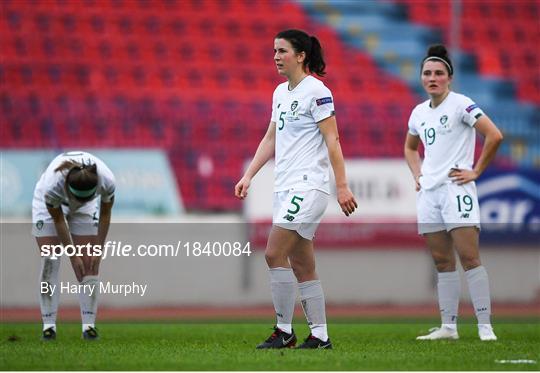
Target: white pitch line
(518, 361)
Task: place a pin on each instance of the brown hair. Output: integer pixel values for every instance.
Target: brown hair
(81, 179)
(439, 53)
(302, 42)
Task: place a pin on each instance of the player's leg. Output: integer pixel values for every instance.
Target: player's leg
(49, 282)
(302, 259)
(49, 286)
(83, 226)
(448, 285)
(431, 226)
(283, 286)
(466, 243)
(307, 215)
(88, 294)
(462, 216)
(282, 280)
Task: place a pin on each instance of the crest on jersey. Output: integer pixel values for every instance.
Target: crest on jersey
(294, 113)
(39, 224)
(444, 119)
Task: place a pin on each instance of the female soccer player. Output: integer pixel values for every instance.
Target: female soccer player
(68, 190)
(304, 137)
(447, 204)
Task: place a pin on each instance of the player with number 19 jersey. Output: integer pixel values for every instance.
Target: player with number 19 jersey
(448, 135)
(301, 154)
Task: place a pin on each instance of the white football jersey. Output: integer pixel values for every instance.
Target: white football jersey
(448, 135)
(301, 155)
(51, 185)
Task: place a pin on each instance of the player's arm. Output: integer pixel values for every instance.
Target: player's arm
(413, 158)
(346, 200)
(264, 152)
(492, 139)
(64, 236)
(104, 220)
(105, 210)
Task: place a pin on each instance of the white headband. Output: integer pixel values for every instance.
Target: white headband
(439, 59)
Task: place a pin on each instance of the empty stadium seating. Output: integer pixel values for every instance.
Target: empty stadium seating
(494, 56)
(502, 35)
(192, 77)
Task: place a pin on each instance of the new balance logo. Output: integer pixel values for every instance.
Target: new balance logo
(288, 217)
(279, 314)
(465, 216)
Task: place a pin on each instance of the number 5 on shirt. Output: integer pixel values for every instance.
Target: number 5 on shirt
(280, 127)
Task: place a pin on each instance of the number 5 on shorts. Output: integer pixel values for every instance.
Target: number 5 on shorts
(296, 205)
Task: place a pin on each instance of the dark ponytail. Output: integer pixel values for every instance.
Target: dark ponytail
(310, 45)
(316, 62)
(81, 179)
(439, 53)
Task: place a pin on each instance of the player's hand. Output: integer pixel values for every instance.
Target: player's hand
(346, 200)
(417, 181)
(463, 176)
(241, 188)
(95, 261)
(78, 266)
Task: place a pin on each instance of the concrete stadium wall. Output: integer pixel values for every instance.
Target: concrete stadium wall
(367, 276)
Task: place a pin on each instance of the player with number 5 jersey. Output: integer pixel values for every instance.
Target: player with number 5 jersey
(447, 204)
(303, 136)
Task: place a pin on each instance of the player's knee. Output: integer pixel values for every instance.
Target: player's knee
(273, 257)
(444, 263)
(303, 271)
(50, 268)
(470, 262)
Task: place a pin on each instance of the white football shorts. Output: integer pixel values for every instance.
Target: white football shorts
(81, 222)
(447, 207)
(300, 211)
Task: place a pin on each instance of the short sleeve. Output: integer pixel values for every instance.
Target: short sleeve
(54, 184)
(469, 111)
(322, 104)
(412, 121)
(274, 116)
(52, 198)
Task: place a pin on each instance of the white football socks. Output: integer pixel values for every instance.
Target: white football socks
(448, 289)
(478, 281)
(49, 294)
(312, 296)
(283, 286)
(88, 300)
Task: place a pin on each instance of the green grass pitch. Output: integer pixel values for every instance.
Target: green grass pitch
(230, 346)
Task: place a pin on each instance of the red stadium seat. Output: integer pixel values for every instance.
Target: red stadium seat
(488, 27)
(194, 78)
